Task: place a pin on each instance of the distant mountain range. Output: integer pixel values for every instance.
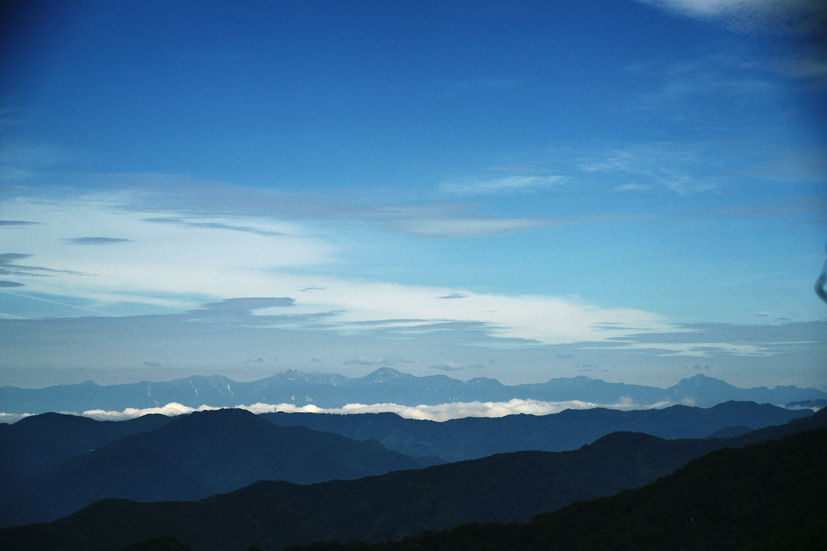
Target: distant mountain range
(382, 386)
(53, 464)
(734, 496)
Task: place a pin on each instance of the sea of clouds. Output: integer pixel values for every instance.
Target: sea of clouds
(440, 412)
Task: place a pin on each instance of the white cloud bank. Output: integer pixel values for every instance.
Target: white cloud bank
(441, 412)
(179, 266)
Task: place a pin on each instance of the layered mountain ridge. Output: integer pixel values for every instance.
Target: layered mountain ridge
(54, 464)
(384, 385)
(501, 488)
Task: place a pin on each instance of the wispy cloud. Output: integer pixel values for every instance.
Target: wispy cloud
(453, 366)
(659, 166)
(386, 362)
(632, 187)
(701, 350)
(170, 258)
(21, 163)
(702, 86)
(813, 205)
(692, 167)
(808, 65)
(221, 208)
(706, 340)
(212, 225)
(14, 223)
(464, 228)
(506, 184)
(9, 266)
(95, 240)
(777, 16)
(451, 221)
(222, 339)
(172, 265)
(65, 304)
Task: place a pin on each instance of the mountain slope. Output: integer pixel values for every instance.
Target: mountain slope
(139, 475)
(195, 456)
(221, 451)
(474, 437)
(35, 445)
(273, 515)
(765, 496)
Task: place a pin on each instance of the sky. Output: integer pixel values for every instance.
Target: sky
(632, 191)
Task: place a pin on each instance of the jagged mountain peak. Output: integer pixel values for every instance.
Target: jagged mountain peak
(383, 385)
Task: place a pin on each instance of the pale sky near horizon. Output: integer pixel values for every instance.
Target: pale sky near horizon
(635, 191)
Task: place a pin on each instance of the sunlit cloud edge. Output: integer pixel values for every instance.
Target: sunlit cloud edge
(438, 413)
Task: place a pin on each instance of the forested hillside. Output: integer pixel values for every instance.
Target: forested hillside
(764, 496)
(274, 515)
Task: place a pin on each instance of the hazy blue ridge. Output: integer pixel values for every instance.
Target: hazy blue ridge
(382, 386)
(475, 437)
(190, 457)
(34, 445)
(55, 464)
(501, 488)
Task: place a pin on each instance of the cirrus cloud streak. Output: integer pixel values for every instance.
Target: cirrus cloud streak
(180, 266)
(786, 16)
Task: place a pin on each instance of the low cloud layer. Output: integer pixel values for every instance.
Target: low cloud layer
(441, 412)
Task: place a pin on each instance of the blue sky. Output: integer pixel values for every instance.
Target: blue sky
(629, 190)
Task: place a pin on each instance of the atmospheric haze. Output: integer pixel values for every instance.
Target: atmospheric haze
(632, 191)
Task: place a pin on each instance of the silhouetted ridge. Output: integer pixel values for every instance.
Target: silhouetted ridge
(194, 456)
(35, 445)
(506, 487)
(472, 438)
(765, 496)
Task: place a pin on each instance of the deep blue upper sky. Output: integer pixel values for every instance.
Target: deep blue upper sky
(519, 190)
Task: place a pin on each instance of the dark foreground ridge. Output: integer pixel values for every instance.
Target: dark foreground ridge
(722, 495)
(765, 496)
(186, 458)
(53, 465)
